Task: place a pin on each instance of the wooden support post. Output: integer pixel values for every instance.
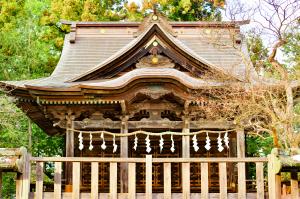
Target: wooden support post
(240, 143)
(25, 177)
(39, 180)
(278, 186)
(131, 181)
(223, 180)
(260, 180)
(241, 180)
(294, 185)
(76, 180)
(69, 149)
(204, 180)
(167, 181)
(185, 166)
(57, 180)
(148, 177)
(124, 154)
(94, 181)
(274, 180)
(113, 180)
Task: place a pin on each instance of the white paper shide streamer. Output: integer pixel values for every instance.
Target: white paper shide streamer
(226, 140)
(103, 146)
(207, 145)
(161, 143)
(115, 147)
(172, 145)
(80, 141)
(148, 148)
(91, 140)
(195, 143)
(220, 147)
(135, 143)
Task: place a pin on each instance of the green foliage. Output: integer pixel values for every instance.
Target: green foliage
(188, 10)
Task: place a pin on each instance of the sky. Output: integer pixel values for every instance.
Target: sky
(256, 19)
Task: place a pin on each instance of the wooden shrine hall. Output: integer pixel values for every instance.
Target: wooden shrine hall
(140, 108)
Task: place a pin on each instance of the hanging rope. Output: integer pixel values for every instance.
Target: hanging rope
(151, 133)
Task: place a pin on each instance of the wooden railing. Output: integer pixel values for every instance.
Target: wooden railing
(113, 191)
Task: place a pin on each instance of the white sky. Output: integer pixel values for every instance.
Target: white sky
(268, 39)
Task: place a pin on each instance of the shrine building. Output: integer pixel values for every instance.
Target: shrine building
(139, 106)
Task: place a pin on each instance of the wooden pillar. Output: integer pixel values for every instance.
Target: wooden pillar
(185, 154)
(240, 143)
(69, 149)
(124, 154)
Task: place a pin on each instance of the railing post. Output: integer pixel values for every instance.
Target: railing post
(113, 182)
(131, 181)
(39, 180)
(57, 180)
(148, 176)
(24, 178)
(294, 185)
(167, 181)
(94, 180)
(223, 180)
(274, 180)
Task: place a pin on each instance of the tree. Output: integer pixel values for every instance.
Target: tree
(273, 109)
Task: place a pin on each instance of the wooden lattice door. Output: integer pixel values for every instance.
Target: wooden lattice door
(157, 168)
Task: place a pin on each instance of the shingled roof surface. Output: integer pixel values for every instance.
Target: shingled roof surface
(217, 43)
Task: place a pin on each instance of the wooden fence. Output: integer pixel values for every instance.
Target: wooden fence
(273, 192)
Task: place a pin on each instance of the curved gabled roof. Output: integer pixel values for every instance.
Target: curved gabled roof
(152, 30)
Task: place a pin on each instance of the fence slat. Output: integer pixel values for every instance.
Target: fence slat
(148, 176)
(94, 180)
(57, 180)
(223, 180)
(76, 180)
(294, 185)
(185, 180)
(241, 180)
(131, 181)
(204, 180)
(39, 180)
(167, 181)
(260, 180)
(113, 181)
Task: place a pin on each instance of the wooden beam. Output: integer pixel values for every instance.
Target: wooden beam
(124, 154)
(240, 143)
(132, 125)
